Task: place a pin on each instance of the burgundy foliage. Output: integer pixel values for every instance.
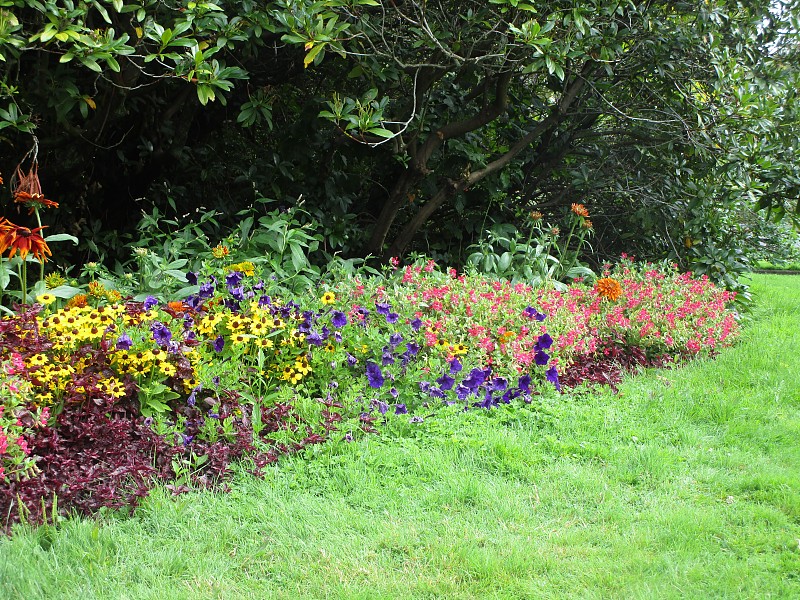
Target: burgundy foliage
(609, 364)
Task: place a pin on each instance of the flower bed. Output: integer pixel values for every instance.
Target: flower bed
(134, 392)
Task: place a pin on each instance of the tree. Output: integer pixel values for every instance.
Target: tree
(659, 115)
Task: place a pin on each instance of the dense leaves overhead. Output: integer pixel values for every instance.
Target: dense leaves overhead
(406, 124)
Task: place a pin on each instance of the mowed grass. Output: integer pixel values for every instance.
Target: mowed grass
(685, 485)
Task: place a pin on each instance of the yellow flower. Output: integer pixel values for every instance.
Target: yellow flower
(245, 267)
(45, 299)
(96, 289)
(458, 350)
(328, 298)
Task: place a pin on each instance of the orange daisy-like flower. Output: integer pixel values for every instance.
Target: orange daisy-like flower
(22, 240)
(610, 288)
(77, 301)
(34, 201)
(580, 210)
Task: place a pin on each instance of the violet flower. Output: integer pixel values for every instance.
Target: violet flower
(374, 375)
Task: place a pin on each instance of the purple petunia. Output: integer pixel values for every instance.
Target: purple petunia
(338, 318)
(525, 383)
(191, 277)
(206, 290)
(395, 340)
(392, 318)
(149, 302)
(233, 279)
(541, 358)
(455, 366)
(374, 375)
(161, 333)
(544, 342)
(552, 377)
(124, 342)
(446, 382)
(475, 378)
(400, 409)
(218, 344)
(382, 308)
(416, 324)
(532, 313)
(412, 348)
(498, 384)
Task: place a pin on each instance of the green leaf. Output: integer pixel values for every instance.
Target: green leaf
(61, 237)
(312, 54)
(381, 132)
(64, 291)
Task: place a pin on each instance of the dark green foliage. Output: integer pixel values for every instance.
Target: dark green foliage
(403, 129)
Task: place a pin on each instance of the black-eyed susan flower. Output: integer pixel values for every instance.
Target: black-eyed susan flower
(328, 298)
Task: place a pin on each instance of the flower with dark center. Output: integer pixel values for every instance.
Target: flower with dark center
(149, 302)
(392, 318)
(23, 240)
(455, 366)
(400, 409)
(525, 383)
(541, 358)
(382, 308)
(218, 344)
(395, 340)
(191, 277)
(416, 324)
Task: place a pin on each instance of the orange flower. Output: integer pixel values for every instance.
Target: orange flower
(27, 189)
(609, 288)
(587, 224)
(34, 201)
(23, 240)
(77, 301)
(176, 306)
(580, 210)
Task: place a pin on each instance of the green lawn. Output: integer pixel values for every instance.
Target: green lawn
(686, 485)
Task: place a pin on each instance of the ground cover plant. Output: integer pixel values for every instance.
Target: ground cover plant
(682, 484)
(123, 392)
